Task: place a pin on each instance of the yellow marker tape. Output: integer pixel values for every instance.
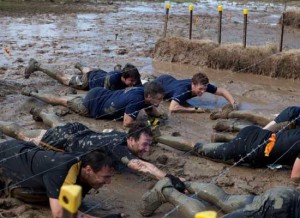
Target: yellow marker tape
(220, 8)
(168, 5)
(245, 11)
(191, 7)
(206, 214)
(70, 197)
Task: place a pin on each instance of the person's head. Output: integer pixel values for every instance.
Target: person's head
(199, 84)
(139, 139)
(154, 93)
(130, 75)
(97, 168)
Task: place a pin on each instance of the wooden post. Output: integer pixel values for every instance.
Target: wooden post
(70, 200)
(282, 32)
(191, 8)
(220, 9)
(168, 5)
(245, 27)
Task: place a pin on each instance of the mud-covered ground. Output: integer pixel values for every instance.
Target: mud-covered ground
(101, 35)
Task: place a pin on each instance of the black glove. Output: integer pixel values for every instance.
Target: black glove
(113, 216)
(176, 182)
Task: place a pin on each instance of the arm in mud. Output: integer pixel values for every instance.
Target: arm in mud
(128, 120)
(147, 168)
(153, 112)
(175, 107)
(224, 93)
(295, 175)
(56, 208)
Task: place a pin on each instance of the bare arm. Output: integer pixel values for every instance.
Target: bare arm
(127, 121)
(56, 208)
(224, 93)
(295, 175)
(177, 108)
(145, 167)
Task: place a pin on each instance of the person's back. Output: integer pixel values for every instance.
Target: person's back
(29, 166)
(76, 137)
(103, 103)
(178, 90)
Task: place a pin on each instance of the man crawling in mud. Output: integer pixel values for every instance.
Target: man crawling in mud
(178, 91)
(114, 80)
(126, 149)
(256, 146)
(107, 104)
(281, 202)
(36, 175)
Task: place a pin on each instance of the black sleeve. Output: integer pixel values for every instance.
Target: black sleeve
(120, 151)
(288, 114)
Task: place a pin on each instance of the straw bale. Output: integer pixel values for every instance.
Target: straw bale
(286, 65)
(233, 56)
(292, 18)
(182, 50)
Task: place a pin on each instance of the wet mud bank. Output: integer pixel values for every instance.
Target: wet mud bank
(262, 60)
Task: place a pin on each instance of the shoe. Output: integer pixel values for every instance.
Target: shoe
(78, 66)
(118, 67)
(197, 148)
(35, 112)
(27, 91)
(32, 67)
(154, 198)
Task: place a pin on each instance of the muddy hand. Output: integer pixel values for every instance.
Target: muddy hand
(176, 182)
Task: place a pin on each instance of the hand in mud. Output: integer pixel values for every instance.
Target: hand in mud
(163, 116)
(235, 105)
(176, 182)
(201, 110)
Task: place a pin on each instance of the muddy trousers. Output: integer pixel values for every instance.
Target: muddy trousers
(281, 202)
(285, 151)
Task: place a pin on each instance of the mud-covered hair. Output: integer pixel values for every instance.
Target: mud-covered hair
(130, 71)
(152, 89)
(200, 79)
(137, 128)
(98, 159)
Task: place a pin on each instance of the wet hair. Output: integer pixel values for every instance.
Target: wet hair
(137, 128)
(98, 159)
(153, 89)
(200, 79)
(130, 71)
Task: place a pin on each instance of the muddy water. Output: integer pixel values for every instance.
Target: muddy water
(103, 35)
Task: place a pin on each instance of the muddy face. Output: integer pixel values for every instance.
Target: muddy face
(141, 146)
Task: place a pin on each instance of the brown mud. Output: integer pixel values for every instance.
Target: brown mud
(102, 35)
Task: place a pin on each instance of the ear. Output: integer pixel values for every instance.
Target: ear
(88, 169)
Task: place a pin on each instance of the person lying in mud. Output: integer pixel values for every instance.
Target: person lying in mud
(252, 146)
(107, 104)
(36, 175)
(126, 149)
(178, 91)
(118, 79)
(283, 202)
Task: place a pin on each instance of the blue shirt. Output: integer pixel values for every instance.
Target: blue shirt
(104, 103)
(111, 80)
(179, 90)
(97, 78)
